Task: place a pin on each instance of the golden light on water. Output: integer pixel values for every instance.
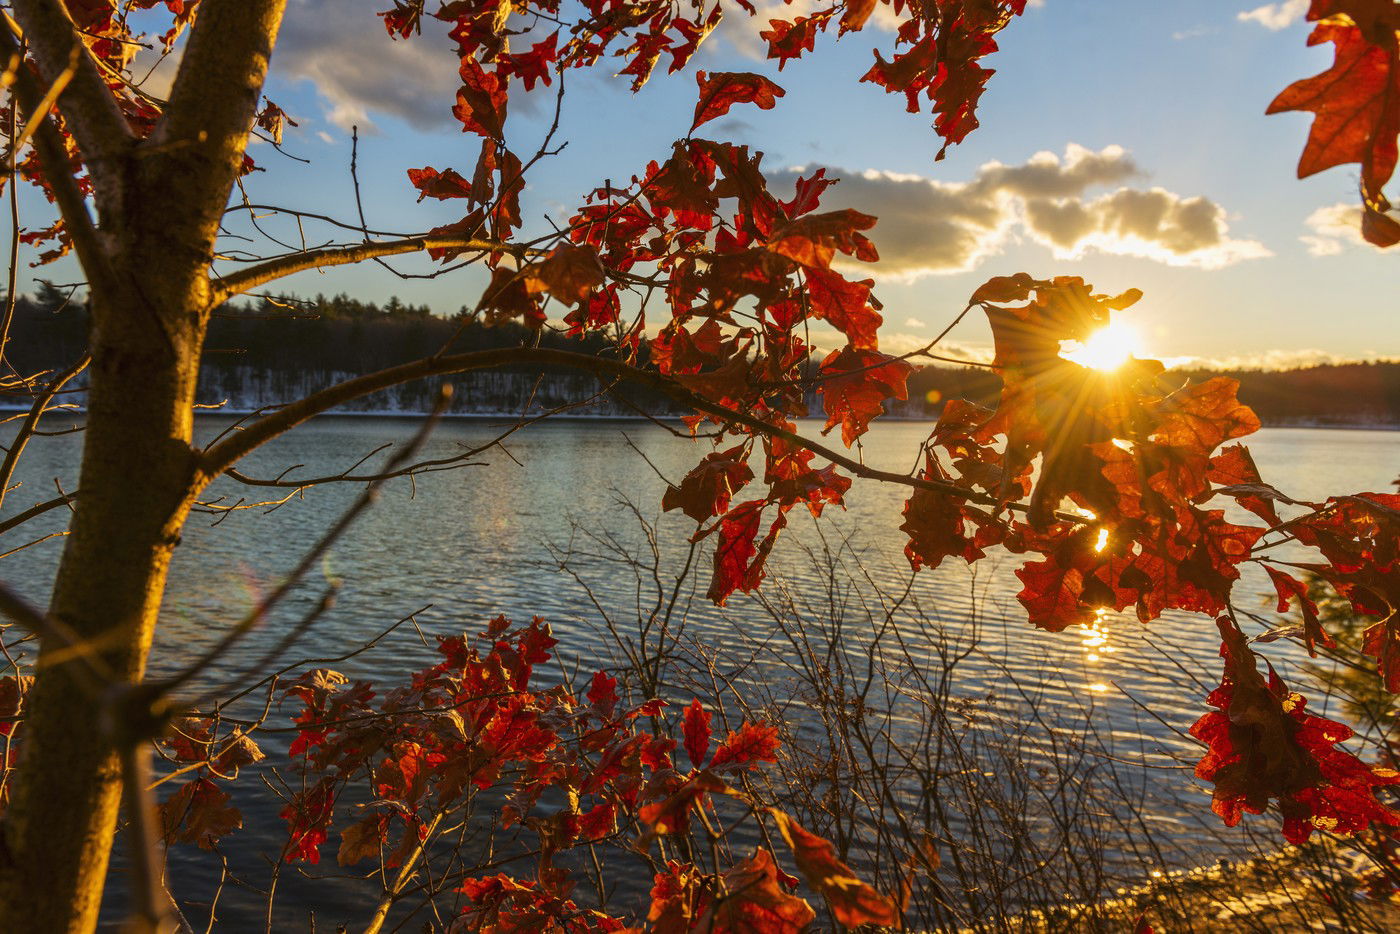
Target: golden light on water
(1108, 348)
(1096, 639)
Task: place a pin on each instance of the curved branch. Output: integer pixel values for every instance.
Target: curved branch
(272, 270)
(222, 456)
(53, 154)
(88, 107)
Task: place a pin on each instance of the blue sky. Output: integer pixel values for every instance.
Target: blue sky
(1165, 174)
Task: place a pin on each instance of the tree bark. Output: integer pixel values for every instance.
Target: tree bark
(137, 460)
(159, 206)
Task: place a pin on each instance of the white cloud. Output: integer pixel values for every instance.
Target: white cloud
(342, 47)
(740, 31)
(1274, 360)
(1335, 228)
(1275, 16)
(930, 227)
(1152, 224)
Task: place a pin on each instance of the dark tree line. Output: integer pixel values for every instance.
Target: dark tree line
(270, 350)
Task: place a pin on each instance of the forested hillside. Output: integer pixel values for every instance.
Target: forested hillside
(269, 352)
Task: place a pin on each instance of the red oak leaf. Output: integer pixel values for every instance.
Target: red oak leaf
(724, 89)
(404, 19)
(696, 730)
(757, 902)
(706, 491)
(933, 521)
(1356, 107)
(812, 241)
(857, 12)
(735, 550)
(481, 101)
(678, 897)
(199, 813)
(746, 747)
(1052, 593)
(362, 839)
(852, 902)
(855, 385)
(602, 693)
(441, 185)
(672, 814)
(569, 273)
(1264, 745)
(789, 40)
(274, 119)
(1289, 588)
(13, 689)
(845, 305)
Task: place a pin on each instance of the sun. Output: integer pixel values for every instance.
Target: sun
(1108, 348)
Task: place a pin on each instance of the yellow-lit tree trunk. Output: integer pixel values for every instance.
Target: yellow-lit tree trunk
(147, 260)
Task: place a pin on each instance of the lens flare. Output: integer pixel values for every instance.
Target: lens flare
(1108, 348)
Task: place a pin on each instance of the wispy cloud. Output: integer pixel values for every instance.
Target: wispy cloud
(1275, 360)
(1335, 228)
(930, 227)
(1275, 16)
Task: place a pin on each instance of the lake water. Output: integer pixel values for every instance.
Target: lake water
(468, 544)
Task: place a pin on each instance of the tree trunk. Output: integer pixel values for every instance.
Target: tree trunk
(160, 202)
(136, 471)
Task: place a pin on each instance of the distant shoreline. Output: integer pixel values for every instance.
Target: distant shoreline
(582, 417)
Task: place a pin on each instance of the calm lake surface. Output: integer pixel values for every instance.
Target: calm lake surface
(465, 545)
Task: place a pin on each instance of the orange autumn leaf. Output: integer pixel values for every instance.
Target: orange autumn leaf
(852, 902)
(754, 902)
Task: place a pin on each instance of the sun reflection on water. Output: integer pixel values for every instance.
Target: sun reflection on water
(1096, 642)
(1096, 637)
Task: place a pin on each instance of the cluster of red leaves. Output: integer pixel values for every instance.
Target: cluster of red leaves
(1136, 461)
(1265, 746)
(946, 40)
(104, 28)
(1355, 103)
(476, 722)
(743, 274)
(199, 811)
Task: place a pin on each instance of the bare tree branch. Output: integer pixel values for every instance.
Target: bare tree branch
(220, 457)
(53, 154)
(263, 273)
(88, 107)
(308, 561)
(19, 519)
(31, 422)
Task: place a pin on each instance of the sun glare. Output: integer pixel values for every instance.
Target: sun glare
(1108, 348)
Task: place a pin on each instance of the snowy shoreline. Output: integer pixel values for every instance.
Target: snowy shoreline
(498, 415)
